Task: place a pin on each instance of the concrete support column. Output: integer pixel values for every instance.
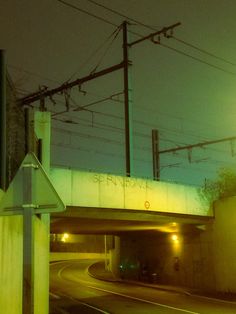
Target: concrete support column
(224, 240)
(106, 253)
(115, 257)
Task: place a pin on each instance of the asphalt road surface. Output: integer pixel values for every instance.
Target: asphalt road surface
(74, 291)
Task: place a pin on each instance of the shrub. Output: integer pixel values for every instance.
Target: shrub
(223, 186)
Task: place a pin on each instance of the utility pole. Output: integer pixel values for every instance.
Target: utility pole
(155, 155)
(125, 65)
(127, 104)
(3, 140)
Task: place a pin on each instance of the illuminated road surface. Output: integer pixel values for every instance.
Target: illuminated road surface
(74, 291)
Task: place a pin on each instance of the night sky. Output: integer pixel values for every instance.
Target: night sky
(188, 100)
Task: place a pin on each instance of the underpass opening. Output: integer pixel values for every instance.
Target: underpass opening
(162, 248)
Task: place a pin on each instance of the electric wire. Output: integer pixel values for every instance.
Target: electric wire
(211, 160)
(188, 168)
(117, 156)
(166, 46)
(202, 50)
(206, 125)
(155, 29)
(120, 14)
(173, 49)
(93, 15)
(112, 128)
(147, 136)
(96, 137)
(100, 101)
(87, 12)
(146, 149)
(102, 126)
(150, 125)
(206, 63)
(196, 59)
(116, 33)
(176, 165)
(85, 135)
(193, 135)
(217, 150)
(187, 55)
(202, 169)
(19, 69)
(94, 53)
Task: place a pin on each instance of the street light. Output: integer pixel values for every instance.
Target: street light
(65, 237)
(174, 237)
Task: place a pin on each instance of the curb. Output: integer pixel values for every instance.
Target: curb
(138, 283)
(158, 287)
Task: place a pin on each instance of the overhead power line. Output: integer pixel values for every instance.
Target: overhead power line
(114, 33)
(172, 116)
(93, 124)
(176, 38)
(105, 127)
(197, 59)
(202, 144)
(87, 12)
(19, 69)
(94, 15)
(41, 95)
(151, 36)
(79, 108)
(122, 15)
(100, 138)
(203, 50)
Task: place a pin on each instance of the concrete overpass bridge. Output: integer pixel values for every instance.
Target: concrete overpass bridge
(110, 204)
(175, 219)
(97, 203)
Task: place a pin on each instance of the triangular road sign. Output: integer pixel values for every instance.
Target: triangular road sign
(30, 177)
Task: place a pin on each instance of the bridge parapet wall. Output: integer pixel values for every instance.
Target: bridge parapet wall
(90, 189)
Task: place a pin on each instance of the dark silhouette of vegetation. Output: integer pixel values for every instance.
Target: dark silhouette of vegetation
(223, 186)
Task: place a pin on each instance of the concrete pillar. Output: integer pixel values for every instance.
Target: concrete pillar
(11, 264)
(224, 241)
(115, 257)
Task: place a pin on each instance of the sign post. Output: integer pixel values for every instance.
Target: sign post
(28, 238)
(31, 192)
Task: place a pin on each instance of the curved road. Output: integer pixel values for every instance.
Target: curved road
(74, 291)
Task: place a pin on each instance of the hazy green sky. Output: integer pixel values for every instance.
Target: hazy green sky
(188, 101)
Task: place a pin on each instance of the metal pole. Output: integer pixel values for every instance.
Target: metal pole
(3, 140)
(128, 104)
(28, 240)
(30, 138)
(155, 155)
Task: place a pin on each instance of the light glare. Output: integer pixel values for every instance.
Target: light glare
(65, 237)
(174, 237)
